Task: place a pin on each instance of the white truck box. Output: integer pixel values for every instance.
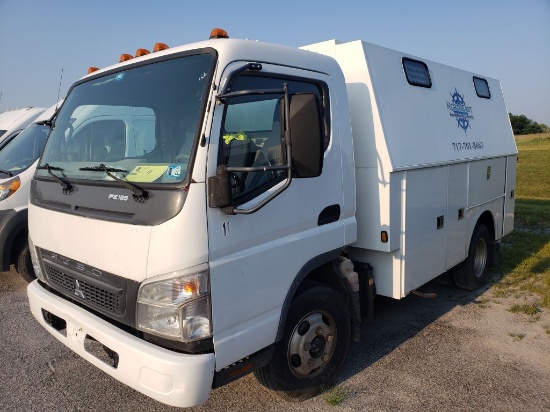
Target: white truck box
(415, 163)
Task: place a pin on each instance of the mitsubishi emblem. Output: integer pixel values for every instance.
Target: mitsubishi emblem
(77, 291)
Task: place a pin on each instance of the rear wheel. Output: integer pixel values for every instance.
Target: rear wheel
(313, 347)
(23, 264)
(474, 271)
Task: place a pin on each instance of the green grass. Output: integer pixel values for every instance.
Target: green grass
(533, 179)
(528, 309)
(525, 260)
(335, 395)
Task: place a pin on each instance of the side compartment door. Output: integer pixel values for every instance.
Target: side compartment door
(255, 257)
(425, 230)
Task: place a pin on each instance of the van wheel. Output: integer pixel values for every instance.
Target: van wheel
(313, 347)
(474, 271)
(23, 264)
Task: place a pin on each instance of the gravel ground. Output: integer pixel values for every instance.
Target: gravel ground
(456, 352)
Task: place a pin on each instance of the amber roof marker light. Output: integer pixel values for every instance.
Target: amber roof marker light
(218, 34)
(125, 56)
(159, 47)
(92, 69)
(142, 52)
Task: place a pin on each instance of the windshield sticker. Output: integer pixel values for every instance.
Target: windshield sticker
(459, 110)
(146, 173)
(174, 171)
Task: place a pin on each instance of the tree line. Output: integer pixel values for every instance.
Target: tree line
(521, 124)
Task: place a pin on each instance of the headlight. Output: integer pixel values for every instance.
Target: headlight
(34, 259)
(176, 306)
(9, 188)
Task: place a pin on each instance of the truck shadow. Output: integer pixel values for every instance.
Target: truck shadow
(397, 321)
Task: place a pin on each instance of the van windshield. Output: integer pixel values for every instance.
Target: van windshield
(141, 121)
(22, 151)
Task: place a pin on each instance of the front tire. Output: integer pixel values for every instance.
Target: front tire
(313, 347)
(473, 273)
(23, 264)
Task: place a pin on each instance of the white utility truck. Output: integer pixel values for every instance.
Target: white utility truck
(237, 205)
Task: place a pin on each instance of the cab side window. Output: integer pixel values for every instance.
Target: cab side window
(252, 138)
(251, 134)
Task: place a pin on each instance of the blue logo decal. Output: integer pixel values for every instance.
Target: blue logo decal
(174, 171)
(459, 110)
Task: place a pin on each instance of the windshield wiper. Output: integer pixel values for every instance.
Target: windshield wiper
(139, 194)
(67, 187)
(6, 172)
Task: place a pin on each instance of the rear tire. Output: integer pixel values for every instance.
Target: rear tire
(473, 273)
(23, 264)
(313, 347)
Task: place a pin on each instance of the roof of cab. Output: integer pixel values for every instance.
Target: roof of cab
(243, 50)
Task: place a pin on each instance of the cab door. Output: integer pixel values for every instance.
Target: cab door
(255, 257)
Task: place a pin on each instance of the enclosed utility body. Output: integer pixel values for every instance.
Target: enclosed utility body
(237, 228)
(434, 155)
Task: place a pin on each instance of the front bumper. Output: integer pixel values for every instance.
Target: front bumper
(172, 378)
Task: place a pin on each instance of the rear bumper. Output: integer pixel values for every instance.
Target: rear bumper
(172, 378)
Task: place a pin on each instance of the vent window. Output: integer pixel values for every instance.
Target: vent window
(482, 88)
(417, 73)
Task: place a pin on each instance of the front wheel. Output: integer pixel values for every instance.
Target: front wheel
(474, 271)
(313, 347)
(23, 264)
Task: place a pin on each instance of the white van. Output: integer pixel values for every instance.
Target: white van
(12, 122)
(18, 159)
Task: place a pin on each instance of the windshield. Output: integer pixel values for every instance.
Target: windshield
(22, 151)
(141, 121)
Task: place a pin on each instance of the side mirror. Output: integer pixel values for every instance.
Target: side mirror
(219, 188)
(307, 136)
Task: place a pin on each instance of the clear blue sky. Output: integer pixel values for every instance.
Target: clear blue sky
(505, 39)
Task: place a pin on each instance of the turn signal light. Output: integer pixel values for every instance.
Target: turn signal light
(384, 236)
(92, 69)
(218, 34)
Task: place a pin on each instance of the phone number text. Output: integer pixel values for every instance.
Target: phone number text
(467, 146)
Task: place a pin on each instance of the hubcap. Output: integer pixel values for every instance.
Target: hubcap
(311, 344)
(480, 260)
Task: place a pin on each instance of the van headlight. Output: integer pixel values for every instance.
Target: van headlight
(176, 306)
(9, 188)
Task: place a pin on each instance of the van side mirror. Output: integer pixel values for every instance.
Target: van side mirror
(307, 136)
